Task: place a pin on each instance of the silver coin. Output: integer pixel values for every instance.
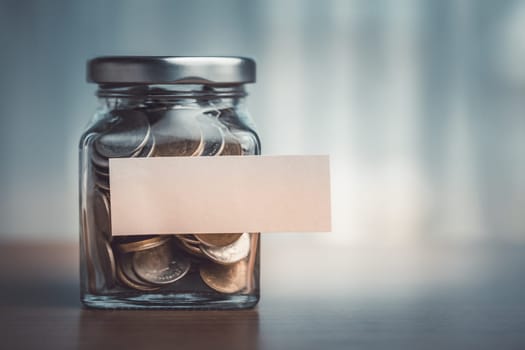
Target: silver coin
(99, 161)
(231, 253)
(147, 150)
(102, 214)
(129, 134)
(102, 182)
(86, 240)
(130, 277)
(213, 138)
(160, 265)
(126, 281)
(104, 171)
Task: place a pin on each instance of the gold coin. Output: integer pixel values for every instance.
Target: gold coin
(217, 239)
(138, 243)
(225, 279)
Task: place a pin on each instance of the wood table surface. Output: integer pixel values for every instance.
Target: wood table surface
(314, 296)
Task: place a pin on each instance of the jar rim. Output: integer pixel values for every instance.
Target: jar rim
(209, 70)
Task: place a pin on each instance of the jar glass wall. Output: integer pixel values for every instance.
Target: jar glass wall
(192, 271)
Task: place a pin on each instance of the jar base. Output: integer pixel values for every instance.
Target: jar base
(180, 301)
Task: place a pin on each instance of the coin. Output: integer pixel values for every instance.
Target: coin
(213, 138)
(192, 249)
(139, 243)
(232, 147)
(102, 213)
(86, 241)
(102, 181)
(250, 282)
(231, 253)
(225, 279)
(147, 150)
(107, 261)
(103, 171)
(169, 146)
(126, 136)
(249, 141)
(99, 161)
(198, 151)
(188, 238)
(217, 239)
(129, 283)
(160, 265)
(128, 277)
(177, 133)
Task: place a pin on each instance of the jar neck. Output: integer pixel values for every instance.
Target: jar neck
(119, 96)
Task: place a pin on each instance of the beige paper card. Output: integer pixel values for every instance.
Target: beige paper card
(168, 195)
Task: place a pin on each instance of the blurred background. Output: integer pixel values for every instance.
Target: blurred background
(421, 105)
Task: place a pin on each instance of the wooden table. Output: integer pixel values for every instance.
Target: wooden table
(314, 296)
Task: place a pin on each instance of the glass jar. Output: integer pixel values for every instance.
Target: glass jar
(164, 107)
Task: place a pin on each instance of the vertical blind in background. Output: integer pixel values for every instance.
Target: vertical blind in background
(421, 104)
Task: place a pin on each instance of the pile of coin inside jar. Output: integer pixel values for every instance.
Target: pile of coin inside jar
(223, 263)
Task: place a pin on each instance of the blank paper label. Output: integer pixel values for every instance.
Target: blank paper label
(226, 194)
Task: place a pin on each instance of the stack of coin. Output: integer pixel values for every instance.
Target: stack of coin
(225, 248)
(227, 265)
(148, 263)
(128, 136)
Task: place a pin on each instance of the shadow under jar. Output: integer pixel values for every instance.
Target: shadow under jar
(165, 107)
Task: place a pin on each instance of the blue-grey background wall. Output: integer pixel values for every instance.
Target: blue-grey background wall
(421, 104)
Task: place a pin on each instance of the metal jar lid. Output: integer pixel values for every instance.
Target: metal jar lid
(170, 70)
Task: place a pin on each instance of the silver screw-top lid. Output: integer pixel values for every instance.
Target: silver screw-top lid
(170, 70)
